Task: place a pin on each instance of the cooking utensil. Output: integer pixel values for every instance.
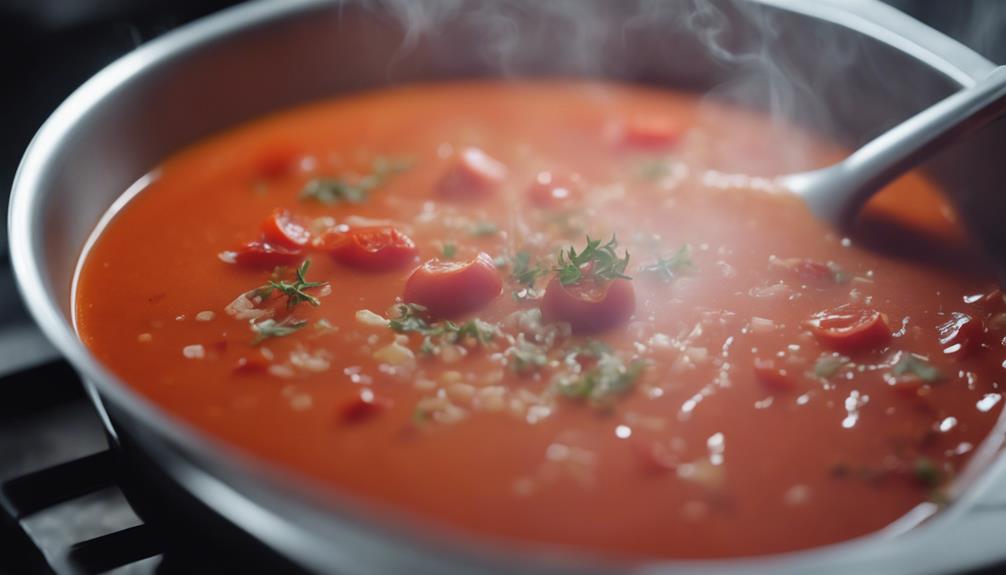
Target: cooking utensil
(264, 56)
(836, 193)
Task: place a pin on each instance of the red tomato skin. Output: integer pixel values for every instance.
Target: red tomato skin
(451, 289)
(648, 132)
(550, 192)
(593, 310)
(472, 175)
(850, 329)
(264, 254)
(773, 378)
(961, 335)
(281, 228)
(380, 248)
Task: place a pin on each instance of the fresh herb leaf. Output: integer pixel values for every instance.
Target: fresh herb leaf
(828, 365)
(911, 364)
(336, 190)
(927, 473)
(409, 319)
(270, 328)
(482, 332)
(449, 250)
(671, 268)
(294, 291)
(525, 357)
(484, 228)
(523, 272)
(603, 260)
(609, 378)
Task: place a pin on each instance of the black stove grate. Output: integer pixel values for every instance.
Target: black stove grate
(62, 508)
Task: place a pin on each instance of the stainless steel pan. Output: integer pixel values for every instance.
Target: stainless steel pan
(847, 68)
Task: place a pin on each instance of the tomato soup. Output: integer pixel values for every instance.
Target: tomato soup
(573, 315)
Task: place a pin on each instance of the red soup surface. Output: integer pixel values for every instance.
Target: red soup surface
(554, 313)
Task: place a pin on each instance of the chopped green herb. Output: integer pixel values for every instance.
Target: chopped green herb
(911, 364)
(409, 319)
(671, 268)
(270, 328)
(927, 473)
(449, 250)
(523, 272)
(525, 357)
(336, 190)
(609, 378)
(484, 228)
(828, 365)
(603, 259)
(435, 334)
(838, 275)
(294, 291)
(500, 262)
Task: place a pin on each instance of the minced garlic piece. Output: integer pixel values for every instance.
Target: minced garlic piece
(194, 351)
(205, 316)
(395, 354)
(144, 337)
(369, 318)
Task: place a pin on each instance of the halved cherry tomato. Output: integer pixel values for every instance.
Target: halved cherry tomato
(773, 378)
(848, 328)
(363, 407)
(649, 132)
(590, 305)
(377, 248)
(474, 174)
(961, 335)
(260, 253)
(550, 191)
(283, 229)
(449, 289)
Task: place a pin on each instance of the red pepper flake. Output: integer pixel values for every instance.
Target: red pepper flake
(363, 407)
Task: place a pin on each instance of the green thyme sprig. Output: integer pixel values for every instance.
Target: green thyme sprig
(337, 190)
(603, 259)
(295, 291)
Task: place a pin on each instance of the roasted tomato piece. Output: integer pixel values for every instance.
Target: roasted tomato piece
(961, 335)
(590, 305)
(363, 407)
(450, 289)
(648, 132)
(379, 248)
(282, 228)
(474, 174)
(848, 328)
(772, 377)
(265, 254)
(549, 191)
